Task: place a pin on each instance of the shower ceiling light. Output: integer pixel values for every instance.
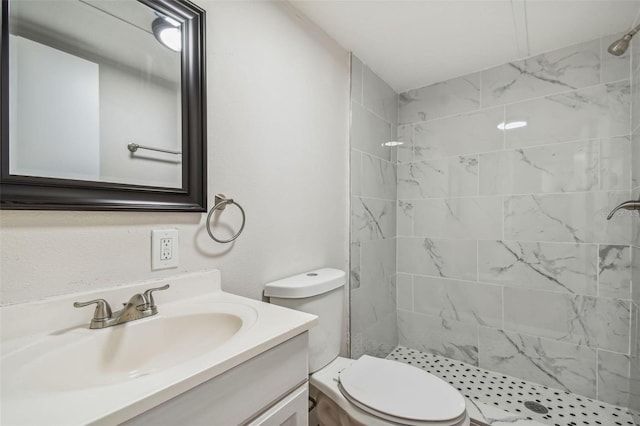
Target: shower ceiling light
(393, 143)
(511, 125)
(167, 31)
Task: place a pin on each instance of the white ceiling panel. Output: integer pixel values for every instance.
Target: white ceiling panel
(411, 44)
(560, 23)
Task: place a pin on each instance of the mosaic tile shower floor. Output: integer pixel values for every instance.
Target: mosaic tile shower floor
(509, 393)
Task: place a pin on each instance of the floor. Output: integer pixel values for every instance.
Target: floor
(525, 403)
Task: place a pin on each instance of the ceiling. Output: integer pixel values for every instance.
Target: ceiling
(411, 44)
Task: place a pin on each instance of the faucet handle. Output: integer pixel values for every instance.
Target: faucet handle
(103, 310)
(148, 295)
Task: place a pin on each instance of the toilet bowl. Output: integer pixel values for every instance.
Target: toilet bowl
(368, 391)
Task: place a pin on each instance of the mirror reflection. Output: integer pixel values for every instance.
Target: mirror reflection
(90, 80)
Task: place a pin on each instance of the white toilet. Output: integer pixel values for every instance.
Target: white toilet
(368, 391)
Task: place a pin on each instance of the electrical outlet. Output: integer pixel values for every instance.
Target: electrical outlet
(164, 249)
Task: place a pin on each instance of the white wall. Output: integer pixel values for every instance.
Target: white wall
(138, 107)
(54, 99)
(278, 92)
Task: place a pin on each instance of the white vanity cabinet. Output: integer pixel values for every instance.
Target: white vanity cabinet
(270, 389)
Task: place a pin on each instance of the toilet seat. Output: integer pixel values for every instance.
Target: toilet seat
(400, 393)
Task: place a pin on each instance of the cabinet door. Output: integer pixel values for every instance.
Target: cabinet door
(292, 410)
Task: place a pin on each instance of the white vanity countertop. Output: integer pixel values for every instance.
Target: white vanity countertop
(26, 325)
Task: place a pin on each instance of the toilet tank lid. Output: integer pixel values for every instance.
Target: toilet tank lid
(307, 284)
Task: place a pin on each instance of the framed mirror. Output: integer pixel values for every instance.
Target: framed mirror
(103, 105)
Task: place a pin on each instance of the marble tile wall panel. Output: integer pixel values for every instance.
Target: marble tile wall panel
(635, 54)
(446, 177)
(355, 173)
(375, 297)
(463, 301)
(459, 135)
(613, 378)
(634, 385)
(614, 271)
(373, 214)
(405, 218)
(554, 72)
(615, 163)
(364, 316)
(614, 68)
(555, 364)
(589, 321)
(635, 274)
(459, 218)
(372, 219)
(437, 257)
(578, 217)
(356, 79)
(563, 167)
(405, 151)
(528, 218)
(635, 100)
(357, 345)
(381, 338)
(590, 113)
(404, 286)
(634, 393)
(634, 341)
(369, 132)
(378, 178)
(449, 338)
(379, 97)
(449, 97)
(354, 266)
(393, 290)
(567, 268)
(635, 163)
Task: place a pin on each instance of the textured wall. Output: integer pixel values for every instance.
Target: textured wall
(505, 257)
(277, 144)
(374, 107)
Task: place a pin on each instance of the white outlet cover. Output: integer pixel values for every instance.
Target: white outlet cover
(157, 235)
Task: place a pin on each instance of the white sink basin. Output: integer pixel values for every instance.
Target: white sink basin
(72, 360)
(80, 358)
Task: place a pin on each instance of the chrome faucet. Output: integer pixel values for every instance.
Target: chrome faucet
(138, 307)
(627, 205)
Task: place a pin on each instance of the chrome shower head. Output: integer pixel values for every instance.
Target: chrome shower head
(620, 46)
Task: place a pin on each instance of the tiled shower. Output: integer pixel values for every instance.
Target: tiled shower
(483, 237)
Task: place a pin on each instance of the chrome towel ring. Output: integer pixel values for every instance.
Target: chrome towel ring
(221, 203)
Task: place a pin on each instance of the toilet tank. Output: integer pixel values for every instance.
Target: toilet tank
(319, 293)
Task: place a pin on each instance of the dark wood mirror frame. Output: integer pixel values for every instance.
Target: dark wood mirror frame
(38, 193)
